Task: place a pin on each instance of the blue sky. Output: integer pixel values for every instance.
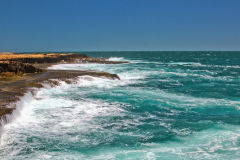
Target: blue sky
(115, 25)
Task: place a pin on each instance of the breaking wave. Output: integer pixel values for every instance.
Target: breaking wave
(116, 59)
(160, 109)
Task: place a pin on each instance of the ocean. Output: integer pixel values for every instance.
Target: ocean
(167, 106)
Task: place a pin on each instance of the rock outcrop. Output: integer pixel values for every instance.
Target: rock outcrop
(20, 73)
(12, 91)
(17, 64)
(55, 58)
(18, 67)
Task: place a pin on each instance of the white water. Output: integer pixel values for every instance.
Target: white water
(52, 119)
(58, 123)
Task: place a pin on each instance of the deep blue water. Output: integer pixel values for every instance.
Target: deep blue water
(167, 105)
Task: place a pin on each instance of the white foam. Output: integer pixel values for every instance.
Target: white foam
(56, 116)
(116, 59)
(127, 77)
(51, 114)
(101, 82)
(185, 63)
(21, 109)
(89, 66)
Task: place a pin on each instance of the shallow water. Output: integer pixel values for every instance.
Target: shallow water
(167, 105)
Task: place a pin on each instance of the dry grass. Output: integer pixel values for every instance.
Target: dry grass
(20, 56)
(5, 53)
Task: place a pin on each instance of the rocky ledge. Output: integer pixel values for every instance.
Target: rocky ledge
(21, 73)
(12, 91)
(36, 58)
(18, 67)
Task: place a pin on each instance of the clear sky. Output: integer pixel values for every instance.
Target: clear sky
(99, 25)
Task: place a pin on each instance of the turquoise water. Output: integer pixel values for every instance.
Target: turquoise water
(167, 105)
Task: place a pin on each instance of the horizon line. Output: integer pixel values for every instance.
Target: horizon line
(123, 51)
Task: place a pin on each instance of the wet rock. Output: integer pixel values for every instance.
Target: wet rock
(5, 111)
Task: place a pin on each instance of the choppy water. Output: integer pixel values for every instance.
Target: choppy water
(167, 105)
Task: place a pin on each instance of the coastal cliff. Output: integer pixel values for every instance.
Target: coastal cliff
(21, 73)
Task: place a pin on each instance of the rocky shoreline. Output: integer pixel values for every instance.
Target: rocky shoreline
(22, 73)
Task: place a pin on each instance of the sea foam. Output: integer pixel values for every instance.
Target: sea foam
(116, 59)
